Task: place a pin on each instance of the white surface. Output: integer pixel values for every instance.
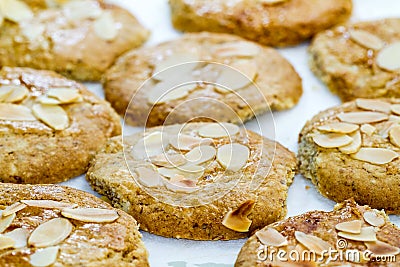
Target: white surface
(154, 14)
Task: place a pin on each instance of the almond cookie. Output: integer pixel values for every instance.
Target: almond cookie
(77, 38)
(258, 78)
(269, 22)
(202, 181)
(359, 60)
(43, 225)
(50, 127)
(350, 235)
(353, 151)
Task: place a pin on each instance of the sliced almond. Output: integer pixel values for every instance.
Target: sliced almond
(53, 116)
(187, 142)
(338, 127)
(192, 172)
(5, 221)
(373, 105)
(353, 227)
(168, 160)
(163, 92)
(313, 243)
(354, 146)
(174, 59)
(368, 129)
(20, 236)
(233, 156)
(272, 1)
(388, 57)
(64, 95)
(6, 242)
(237, 220)
(382, 248)
(366, 39)
(18, 93)
(44, 257)
(271, 237)
(14, 112)
(48, 204)
(218, 130)
(151, 145)
(394, 135)
(394, 118)
(362, 117)
(239, 75)
(179, 184)
(48, 100)
(50, 233)
(15, 10)
(82, 9)
(385, 128)
(395, 108)
(332, 140)
(373, 218)
(96, 215)
(105, 26)
(366, 234)
(375, 155)
(237, 49)
(148, 177)
(201, 154)
(14, 208)
(5, 91)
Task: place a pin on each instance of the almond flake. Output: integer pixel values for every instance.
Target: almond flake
(240, 74)
(313, 243)
(82, 9)
(48, 204)
(201, 154)
(353, 227)
(385, 128)
(368, 129)
(48, 100)
(20, 236)
(5, 221)
(53, 116)
(163, 92)
(382, 248)
(15, 10)
(233, 156)
(50, 233)
(394, 118)
(96, 215)
(338, 127)
(148, 177)
(395, 109)
(272, 1)
(332, 140)
(176, 58)
(105, 26)
(151, 145)
(373, 218)
(366, 39)
(14, 208)
(375, 155)
(168, 160)
(237, 220)
(354, 146)
(373, 105)
(366, 234)
(218, 130)
(6, 242)
(18, 93)
(44, 257)
(12, 112)
(388, 57)
(187, 142)
(179, 184)
(236, 49)
(192, 172)
(64, 95)
(362, 117)
(5, 91)
(271, 237)
(394, 135)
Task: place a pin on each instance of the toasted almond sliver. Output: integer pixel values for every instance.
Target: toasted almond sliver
(353, 227)
(354, 146)
(19, 92)
(48, 100)
(373, 105)
(148, 177)
(179, 184)
(375, 155)
(14, 112)
(366, 39)
(366, 234)
(373, 218)
(20, 236)
(64, 95)
(14, 208)
(201, 154)
(6, 221)
(237, 220)
(382, 248)
(51, 115)
(271, 237)
(175, 59)
(80, 10)
(368, 129)
(385, 128)
(6, 242)
(312, 242)
(187, 142)
(163, 92)
(150, 145)
(44, 257)
(362, 117)
(394, 135)
(5, 91)
(168, 160)
(218, 130)
(96, 215)
(332, 140)
(48, 204)
(395, 109)
(236, 49)
(394, 118)
(239, 75)
(50, 233)
(192, 172)
(105, 26)
(16, 10)
(338, 127)
(233, 156)
(388, 57)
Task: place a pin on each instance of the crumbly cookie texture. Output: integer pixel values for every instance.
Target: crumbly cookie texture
(77, 38)
(353, 151)
(275, 23)
(50, 127)
(278, 86)
(43, 225)
(194, 188)
(359, 60)
(349, 229)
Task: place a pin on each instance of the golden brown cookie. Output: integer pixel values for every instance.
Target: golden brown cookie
(269, 22)
(143, 79)
(353, 151)
(202, 181)
(50, 127)
(359, 60)
(43, 225)
(77, 38)
(350, 235)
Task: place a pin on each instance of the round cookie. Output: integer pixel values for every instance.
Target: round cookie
(43, 225)
(353, 151)
(142, 79)
(50, 127)
(77, 38)
(185, 184)
(351, 235)
(269, 22)
(359, 60)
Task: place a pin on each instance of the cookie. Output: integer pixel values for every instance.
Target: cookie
(78, 38)
(50, 127)
(43, 225)
(269, 22)
(359, 60)
(351, 235)
(181, 181)
(145, 80)
(353, 151)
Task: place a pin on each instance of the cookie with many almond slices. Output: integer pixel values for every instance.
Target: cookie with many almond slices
(202, 181)
(353, 151)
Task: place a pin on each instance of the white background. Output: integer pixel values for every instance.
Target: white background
(154, 14)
